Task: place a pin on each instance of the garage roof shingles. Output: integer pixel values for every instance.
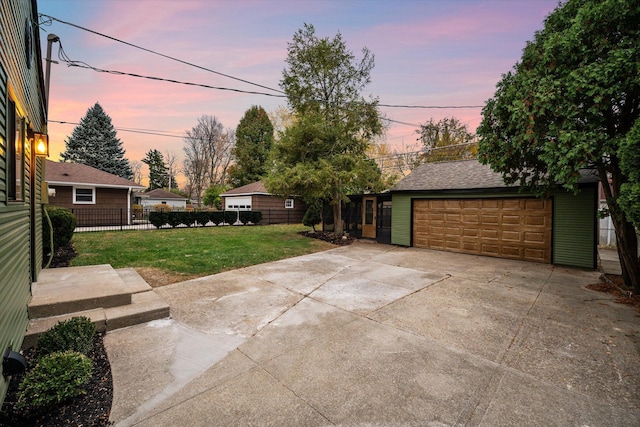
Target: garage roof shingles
(455, 175)
(75, 173)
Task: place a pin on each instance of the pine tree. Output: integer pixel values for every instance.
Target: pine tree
(254, 137)
(94, 143)
(158, 171)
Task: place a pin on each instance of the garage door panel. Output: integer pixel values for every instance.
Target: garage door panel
(509, 228)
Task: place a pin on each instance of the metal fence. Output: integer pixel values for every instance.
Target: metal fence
(88, 219)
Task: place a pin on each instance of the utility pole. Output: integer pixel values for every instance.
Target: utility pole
(51, 38)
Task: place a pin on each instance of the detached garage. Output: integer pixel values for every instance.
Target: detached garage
(464, 206)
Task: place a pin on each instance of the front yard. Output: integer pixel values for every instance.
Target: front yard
(168, 256)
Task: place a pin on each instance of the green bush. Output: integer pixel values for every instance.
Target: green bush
(75, 334)
(158, 219)
(63, 223)
(230, 217)
(55, 378)
(216, 217)
(202, 218)
(312, 216)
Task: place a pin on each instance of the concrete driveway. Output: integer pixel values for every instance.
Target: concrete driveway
(377, 335)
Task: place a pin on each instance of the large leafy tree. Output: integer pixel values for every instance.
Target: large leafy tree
(322, 155)
(572, 103)
(94, 143)
(446, 139)
(158, 171)
(254, 137)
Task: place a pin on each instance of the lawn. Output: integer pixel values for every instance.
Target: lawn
(171, 255)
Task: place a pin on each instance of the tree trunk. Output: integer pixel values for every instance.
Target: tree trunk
(627, 243)
(338, 229)
(626, 238)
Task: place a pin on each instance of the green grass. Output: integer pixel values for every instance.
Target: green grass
(194, 251)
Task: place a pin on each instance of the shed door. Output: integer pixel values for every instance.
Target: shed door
(369, 217)
(518, 228)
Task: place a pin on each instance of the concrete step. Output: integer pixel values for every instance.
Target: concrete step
(59, 291)
(38, 326)
(112, 299)
(144, 307)
(135, 282)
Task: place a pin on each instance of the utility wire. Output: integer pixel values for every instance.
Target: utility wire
(146, 132)
(50, 18)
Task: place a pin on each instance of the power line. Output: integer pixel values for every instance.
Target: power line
(142, 131)
(443, 107)
(51, 18)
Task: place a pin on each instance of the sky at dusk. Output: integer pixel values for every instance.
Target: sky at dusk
(427, 52)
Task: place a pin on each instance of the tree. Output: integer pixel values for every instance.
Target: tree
(446, 139)
(254, 137)
(629, 153)
(158, 172)
(571, 103)
(322, 155)
(212, 197)
(94, 143)
(207, 155)
(171, 159)
(136, 169)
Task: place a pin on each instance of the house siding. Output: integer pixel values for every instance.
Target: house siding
(20, 221)
(575, 228)
(274, 212)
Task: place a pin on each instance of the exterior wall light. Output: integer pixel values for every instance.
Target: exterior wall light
(13, 363)
(41, 144)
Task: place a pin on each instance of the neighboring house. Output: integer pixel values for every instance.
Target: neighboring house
(23, 123)
(255, 197)
(465, 206)
(160, 197)
(94, 196)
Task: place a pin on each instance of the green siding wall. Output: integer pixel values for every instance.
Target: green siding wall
(574, 228)
(20, 222)
(401, 220)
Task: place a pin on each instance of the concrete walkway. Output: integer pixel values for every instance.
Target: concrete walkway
(379, 335)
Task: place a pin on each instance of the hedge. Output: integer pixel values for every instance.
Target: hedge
(202, 218)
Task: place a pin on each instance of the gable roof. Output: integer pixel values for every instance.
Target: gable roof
(246, 190)
(159, 193)
(453, 175)
(461, 175)
(59, 173)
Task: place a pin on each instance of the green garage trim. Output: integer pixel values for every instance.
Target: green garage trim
(574, 228)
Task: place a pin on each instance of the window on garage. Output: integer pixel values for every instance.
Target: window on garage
(84, 195)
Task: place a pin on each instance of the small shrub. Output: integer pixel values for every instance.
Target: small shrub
(63, 223)
(158, 219)
(174, 218)
(202, 218)
(74, 334)
(313, 216)
(230, 217)
(216, 217)
(55, 378)
(255, 217)
(161, 207)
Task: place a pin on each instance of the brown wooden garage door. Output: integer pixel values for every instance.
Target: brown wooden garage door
(507, 228)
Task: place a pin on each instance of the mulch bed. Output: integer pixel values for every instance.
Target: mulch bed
(329, 237)
(90, 409)
(63, 256)
(614, 285)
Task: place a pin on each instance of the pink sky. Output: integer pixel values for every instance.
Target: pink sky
(429, 52)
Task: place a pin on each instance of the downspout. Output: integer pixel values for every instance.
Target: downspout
(129, 207)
